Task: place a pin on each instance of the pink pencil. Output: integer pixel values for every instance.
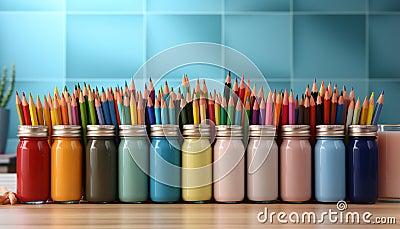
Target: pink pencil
(268, 110)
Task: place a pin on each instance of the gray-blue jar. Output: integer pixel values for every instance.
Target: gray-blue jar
(330, 163)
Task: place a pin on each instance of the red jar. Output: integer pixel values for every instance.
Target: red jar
(33, 165)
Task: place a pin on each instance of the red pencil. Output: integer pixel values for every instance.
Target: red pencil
(242, 89)
(334, 104)
(327, 108)
(285, 108)
(25, 110)
(313, 115)
(211, 114)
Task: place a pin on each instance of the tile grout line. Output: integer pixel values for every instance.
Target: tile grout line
(144, 36)
(291, 45)
(366, 18)
(223, 33)
(65, 43)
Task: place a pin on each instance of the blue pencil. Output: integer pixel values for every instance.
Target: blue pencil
(339, 111)
(378, 108)
(104, 106)
(164, 113)
(150, 111)
(157, 112)
(172, 112)
(111, 107)
(238, 113)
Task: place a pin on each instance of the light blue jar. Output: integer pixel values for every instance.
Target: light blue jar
(133, 164)
(330, 164)
(165, 164)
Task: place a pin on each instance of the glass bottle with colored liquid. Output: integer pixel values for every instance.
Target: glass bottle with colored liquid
(262, 164)
(101, 164)
(229, 166)
(165, 164)
(330, 164)
(66, 164)
(196, 163)
(295, 163)
(389, 161)
(33, 165)
(362, 163)
(133, 164)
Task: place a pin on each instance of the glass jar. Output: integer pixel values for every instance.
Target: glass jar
(165, 162)
(196, 163)
(33, 165)
(262, 164)
(101, 164)
(295, 163)
(362, 163)
(389, 161)
(66, 164)
(330, 164)
(133, 163)
(228, 166)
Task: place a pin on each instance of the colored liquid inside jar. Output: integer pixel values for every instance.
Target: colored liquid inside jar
(33, 165)
(133, 164)
(66, 164)
(196, 164)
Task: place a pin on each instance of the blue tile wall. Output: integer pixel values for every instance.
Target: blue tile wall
(104, 42)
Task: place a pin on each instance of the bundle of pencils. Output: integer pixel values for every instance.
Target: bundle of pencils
(236, 105)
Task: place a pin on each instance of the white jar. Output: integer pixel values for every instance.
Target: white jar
(262, 164)
(228, 166)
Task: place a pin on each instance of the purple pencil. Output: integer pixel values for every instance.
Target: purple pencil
(268, 110)
(255, 113)
(74, 111)
(261, 117)
(99, 111)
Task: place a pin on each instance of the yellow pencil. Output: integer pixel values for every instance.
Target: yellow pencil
(18, 104)
(47, 117)
(195, 112)
(370, 109)
(133, 109)
(57, 112)
(32, 111)
(364, 112)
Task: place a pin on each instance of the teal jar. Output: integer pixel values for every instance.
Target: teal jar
(330, 164)
(165, 164)
(133, 164)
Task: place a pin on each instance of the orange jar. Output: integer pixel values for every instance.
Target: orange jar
(66, 164)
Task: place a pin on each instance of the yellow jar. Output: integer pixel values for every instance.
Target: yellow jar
(196, 164)
(66, 164)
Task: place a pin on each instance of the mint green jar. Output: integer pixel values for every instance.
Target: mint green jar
(133, 164)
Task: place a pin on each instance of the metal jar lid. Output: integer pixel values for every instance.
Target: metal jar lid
(229, 131)
(262, 131)
(32, 131)
(196, 130)
(66, 131)
(363, 130)
(164, 130)
(132, 131)
(389, 127)
(330, 131)
(295, 131)
(100, 131)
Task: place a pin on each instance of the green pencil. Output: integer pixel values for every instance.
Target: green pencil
(92, 110)
(231, 112)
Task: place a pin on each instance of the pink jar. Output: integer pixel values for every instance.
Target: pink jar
(228, 164)
(295, 163)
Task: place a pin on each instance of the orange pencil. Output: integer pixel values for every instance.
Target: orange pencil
(39, 110)
(334, 104)
(18, 105)
(64, 111)
(278, 104)
(364, 112)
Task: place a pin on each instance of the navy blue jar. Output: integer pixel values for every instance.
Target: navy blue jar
(330, 164)
(165, 164)
(362, 164)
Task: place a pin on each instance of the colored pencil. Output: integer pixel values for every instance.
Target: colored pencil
(32, 111)
(291, 111)
(313, 114)
(39, 109)
(339, 111)
(370, 109)
(314, 91)
(183, 113)
(196, 112)
(132, 107)
(300, 118)
(320, 111)
(246, 115)
(171, 112)
(64, 111)
(127, 110)
(111, 108)
(211, 109)
(25, 110)
(350, 112)
(356, 113)
(69, 108)
(327, 108)
(189, 108)
(141, 112)
(74, 111)
(268, 110)
(238, 114)
(203, 109)
(57, 111)
(47, 116)
(285, 108)
(306, 116)
(378, 108)
(255, 114)
(18, 105)
(261, 117)
(99, 111)
(82, 105)
(364, 112)
(231, 112)
(223, 111)
(277, 112)
(217, 109)
(322, 90)
(242, 89)
(296, 109)
(157, 112)
(334, 104)
(227, 87)
(164, 113)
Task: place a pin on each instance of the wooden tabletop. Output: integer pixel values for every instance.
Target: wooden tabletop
(177, 215)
